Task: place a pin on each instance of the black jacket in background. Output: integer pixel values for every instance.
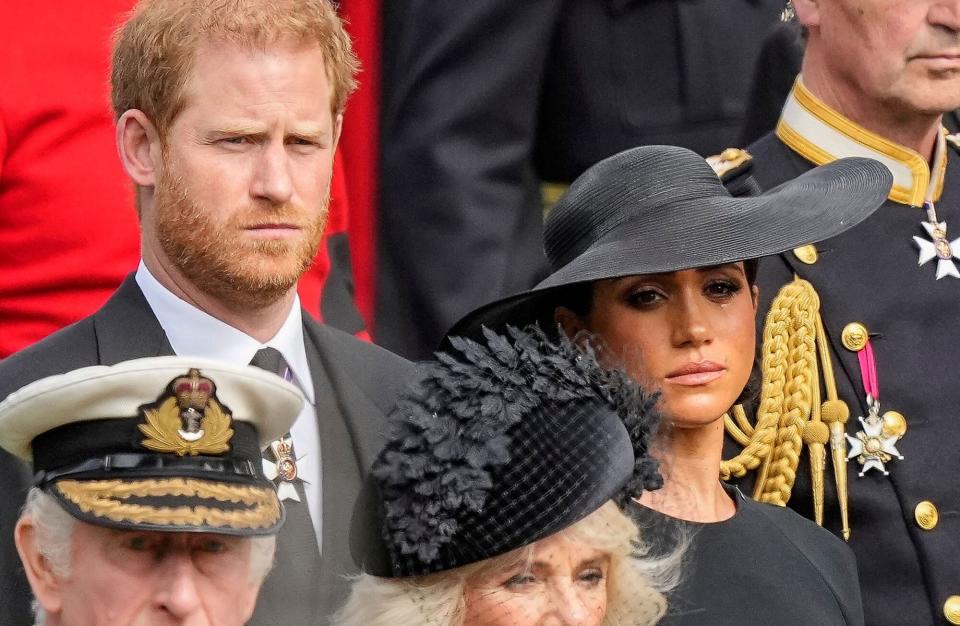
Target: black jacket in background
(482, 100)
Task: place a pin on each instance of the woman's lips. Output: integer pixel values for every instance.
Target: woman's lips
(693, 374)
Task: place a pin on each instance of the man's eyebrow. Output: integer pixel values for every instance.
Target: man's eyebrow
(312, 131)
(237, 128)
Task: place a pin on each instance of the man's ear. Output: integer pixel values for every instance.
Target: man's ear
(571, 323)
(337, 127)
(138, 143)
(46, 584)
(808, 12)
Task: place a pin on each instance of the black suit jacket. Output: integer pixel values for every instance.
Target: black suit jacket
(364, 380)
(484, 99)
(869, 274)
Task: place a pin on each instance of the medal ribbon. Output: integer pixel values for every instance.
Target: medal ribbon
(868, 372)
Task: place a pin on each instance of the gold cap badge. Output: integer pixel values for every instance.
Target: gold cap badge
(188, 420)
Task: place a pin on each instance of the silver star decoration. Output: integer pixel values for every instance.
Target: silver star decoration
(285, 489)
(871, 448)
(284, 471)
(939, 248)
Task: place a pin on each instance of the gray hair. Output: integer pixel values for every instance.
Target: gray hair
(636, 581)
(54, 528)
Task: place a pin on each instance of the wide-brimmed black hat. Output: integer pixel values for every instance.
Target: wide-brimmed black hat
(503, 443)
(659, 209)
(165, 443)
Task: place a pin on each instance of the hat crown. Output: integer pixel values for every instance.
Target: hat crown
(634, 185)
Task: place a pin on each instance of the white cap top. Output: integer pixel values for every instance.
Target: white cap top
(90, 393)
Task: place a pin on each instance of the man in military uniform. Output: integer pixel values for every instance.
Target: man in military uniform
(148, 502)
(876, 79)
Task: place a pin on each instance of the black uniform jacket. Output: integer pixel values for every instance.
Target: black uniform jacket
(484, 99)
(364, 378)
(870, 274)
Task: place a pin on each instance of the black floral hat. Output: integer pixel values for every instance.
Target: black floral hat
(502, 444)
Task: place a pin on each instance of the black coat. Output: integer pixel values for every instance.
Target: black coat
(365, 380)
(484, 99)
(870, 275)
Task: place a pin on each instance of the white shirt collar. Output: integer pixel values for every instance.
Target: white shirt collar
(192, 332)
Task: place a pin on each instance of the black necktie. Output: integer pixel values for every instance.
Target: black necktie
(298, 554)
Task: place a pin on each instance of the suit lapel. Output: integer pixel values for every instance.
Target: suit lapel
(126, 328)
(339, 406)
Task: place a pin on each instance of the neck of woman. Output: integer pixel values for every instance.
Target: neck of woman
(690, 464)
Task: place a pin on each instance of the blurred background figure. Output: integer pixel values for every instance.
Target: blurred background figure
(482, 103)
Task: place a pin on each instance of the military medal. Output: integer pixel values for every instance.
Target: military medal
(875, 444)
(872, 447)
(284, 470)
(938, 247)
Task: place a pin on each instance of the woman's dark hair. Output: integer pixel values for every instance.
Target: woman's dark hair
(578, 297)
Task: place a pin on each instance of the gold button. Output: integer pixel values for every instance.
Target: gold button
(854, 336)
(894, 424)
(927, 517)
(951, 609)
(806, 254)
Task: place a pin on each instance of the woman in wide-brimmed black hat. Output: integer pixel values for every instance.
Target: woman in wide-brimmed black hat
(651, 253)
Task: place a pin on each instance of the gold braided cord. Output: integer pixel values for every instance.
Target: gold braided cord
(774, 362)
(801, 304)
(742, 430)
(835, 414)
(791, 395)
(789, 373)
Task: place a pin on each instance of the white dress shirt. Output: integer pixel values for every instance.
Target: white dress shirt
(192, 332)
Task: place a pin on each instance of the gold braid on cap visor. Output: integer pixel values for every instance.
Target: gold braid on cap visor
(104, 498)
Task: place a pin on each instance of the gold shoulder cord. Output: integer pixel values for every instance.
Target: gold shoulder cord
(790, 413)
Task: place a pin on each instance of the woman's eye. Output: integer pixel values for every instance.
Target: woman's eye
(722, 288)
(644, 297)
(520, 580)
(591, 576)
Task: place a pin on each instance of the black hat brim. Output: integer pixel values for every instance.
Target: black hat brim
(818, 205)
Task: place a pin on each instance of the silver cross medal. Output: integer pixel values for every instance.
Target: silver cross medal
(285, 469)
(871, 447)
(939, 247)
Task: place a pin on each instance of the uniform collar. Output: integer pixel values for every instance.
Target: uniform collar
(820, 134)
(192, 332)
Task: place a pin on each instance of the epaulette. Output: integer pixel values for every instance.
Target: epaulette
(733, 167)
(954, 140)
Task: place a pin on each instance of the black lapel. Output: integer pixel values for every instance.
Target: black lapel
(126, 328)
